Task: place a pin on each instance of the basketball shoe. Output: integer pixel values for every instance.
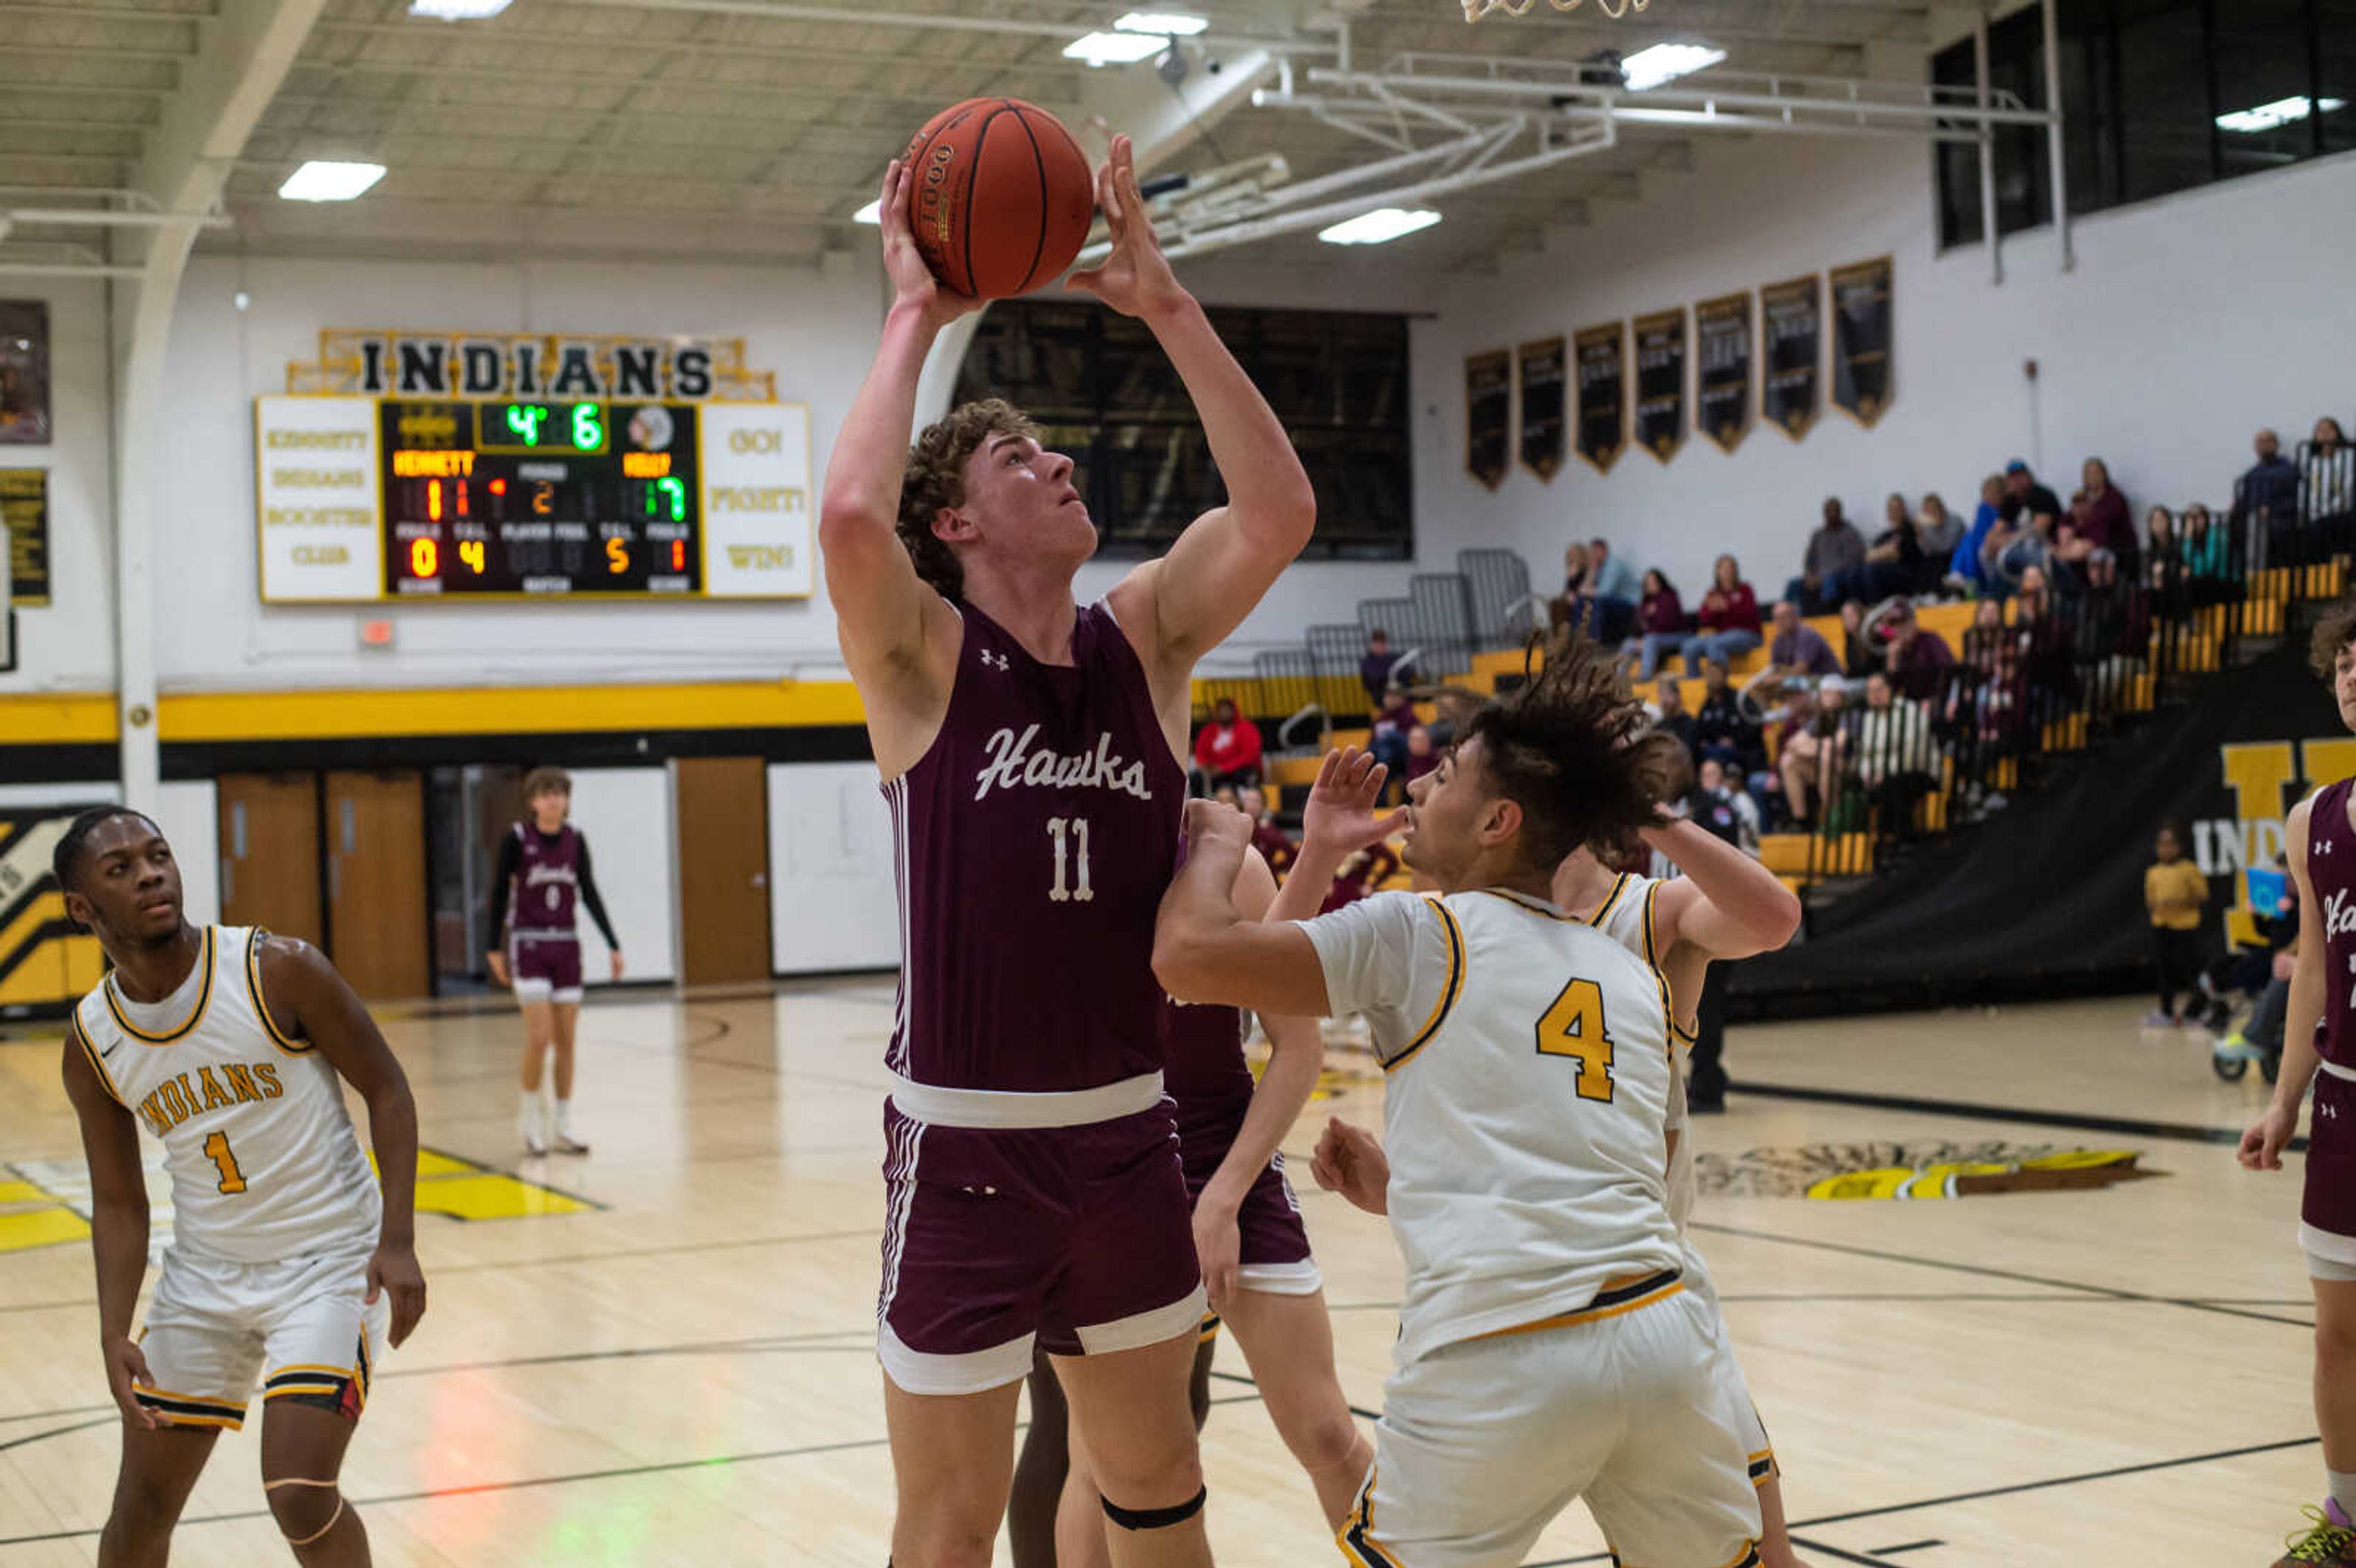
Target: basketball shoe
(2331, 1537)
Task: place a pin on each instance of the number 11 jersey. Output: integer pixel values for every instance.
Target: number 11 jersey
(1033, 842)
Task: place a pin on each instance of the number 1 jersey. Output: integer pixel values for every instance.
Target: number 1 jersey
(1034, 840)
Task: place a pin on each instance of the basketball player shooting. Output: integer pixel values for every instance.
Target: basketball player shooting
(233, 1046)
(1030, 749)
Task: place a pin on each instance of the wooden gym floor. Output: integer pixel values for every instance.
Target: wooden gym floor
(682, 1373)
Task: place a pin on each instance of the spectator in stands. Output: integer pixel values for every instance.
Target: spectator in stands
(2098, 519)
(1836, 551)
(1660, 624)
(1971, 568)
(2042, 635)
(1374, 670)
(1388, 740)
(1361, 875)
(1673, 719)
(1813, 756)
(1422, 756)
(2174, 893)
(2168, 564)
(1562, 609)
(1795, 650)
(1986, 633)
(1894, 756)
(1720, 806)
(2024, 497)
(1227, 751)
(2208, 552)
(1729, 623)
(2331, 483)
(1893, 562)
(2267, 493)
(1991, 716)
(1916, 661)
(1275, 846)
(2113, 631)
(1612, 591)
(1860, 654)
(1940, 533)
(2031, 548)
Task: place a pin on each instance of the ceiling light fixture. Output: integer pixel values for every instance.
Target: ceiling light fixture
(1163, 24)
(871, 213)
(326, 180)
(1650, 68)
(2281, 111)
(1381, 225)
(458, 10)
(1113, 48)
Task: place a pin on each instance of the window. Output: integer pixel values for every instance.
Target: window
(1102, 390)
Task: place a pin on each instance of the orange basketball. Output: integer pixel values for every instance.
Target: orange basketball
(1000, 196)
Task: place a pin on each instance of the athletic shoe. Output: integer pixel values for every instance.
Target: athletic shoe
(2330, 1537)
(533, 1144)
(2157, 1021)
(567, 1144)
(2234, 1048)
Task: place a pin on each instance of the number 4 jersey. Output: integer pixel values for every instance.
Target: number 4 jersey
(263, 1160)
(1034, 840)
(1526, 1058)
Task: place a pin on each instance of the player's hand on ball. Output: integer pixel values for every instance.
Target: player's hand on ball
(1218, 1246)
(499, 962)
(1350, 1161)
(1135, 279)
(1210, 822)
(1345, 808)
(913, 282)
(393, 1269)
(2262, 1145)
(126, 1368)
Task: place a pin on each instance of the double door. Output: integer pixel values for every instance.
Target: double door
(338, 859)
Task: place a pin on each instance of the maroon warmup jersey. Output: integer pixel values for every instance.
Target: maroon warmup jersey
(547, 882)
(2328, 1207)
(1036, 839)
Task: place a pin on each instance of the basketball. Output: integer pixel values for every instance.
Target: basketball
(1000, 196)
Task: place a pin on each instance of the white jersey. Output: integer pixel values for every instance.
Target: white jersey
(1528, 1063)
(263, 1160)
(1625, 915)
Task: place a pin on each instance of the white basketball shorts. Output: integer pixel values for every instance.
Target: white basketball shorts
(303, 1325)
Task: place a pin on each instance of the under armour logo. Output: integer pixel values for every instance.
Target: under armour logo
(995, 661)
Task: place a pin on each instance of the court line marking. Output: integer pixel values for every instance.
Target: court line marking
(1827, 1549)
(1905, 1546)
(2181, 1132)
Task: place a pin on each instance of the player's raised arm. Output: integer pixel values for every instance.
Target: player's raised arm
(1203, 589)
(1342, 816)
(2310, 976)
(309, 999)
(1205, 951)
(118, 1223)
(881, 609)
(1726, 904)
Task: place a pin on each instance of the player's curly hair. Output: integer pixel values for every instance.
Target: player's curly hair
(935, 478)
(1574, 748)
(65, 861)
(2333, 632)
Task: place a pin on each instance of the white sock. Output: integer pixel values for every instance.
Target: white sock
(564, 1117)
(2343, 1490)
(527, 1116)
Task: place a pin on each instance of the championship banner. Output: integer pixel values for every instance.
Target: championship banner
(1722, 392)
(1793, 316)
(1488, 414)
(1540, 368)
(1603, 354)
(25, 515)
(1661, 382)
(1861, 313)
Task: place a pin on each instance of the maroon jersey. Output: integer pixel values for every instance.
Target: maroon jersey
(1035, 841)
(547, 881)
(1204, 1070)
(2331, 869)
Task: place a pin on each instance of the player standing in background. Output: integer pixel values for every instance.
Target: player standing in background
(544, 872)
(2319, 1038)
(1031, 753)
(1548, 1349)
(232, 1046)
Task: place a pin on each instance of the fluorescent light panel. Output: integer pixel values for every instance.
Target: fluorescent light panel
(1163, 24)
(1375, 228)
(2281, 111)
(1650, 68)
(458, 10)
(324, 180)
(1113, 48)
(871, 213)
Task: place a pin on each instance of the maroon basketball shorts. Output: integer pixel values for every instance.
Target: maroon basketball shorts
(546, 968)
(1074, 1235)
(1272, 1246)
(2327, 1211)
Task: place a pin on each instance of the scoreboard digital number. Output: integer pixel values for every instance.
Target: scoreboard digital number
(405, 498)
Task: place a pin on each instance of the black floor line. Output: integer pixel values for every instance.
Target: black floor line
(2107, 1292)
(109, 1419)
(2180, 1132)
(1359, 1410)
(1824, 1549)
(1906, 1546)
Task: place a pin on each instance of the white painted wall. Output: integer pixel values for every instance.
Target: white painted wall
(68, 645)
(625, 814)
(2188, 323)
(186, 810)
(833, 902)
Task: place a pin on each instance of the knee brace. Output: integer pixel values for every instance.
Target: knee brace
(1156, 1518)
(333, 1520)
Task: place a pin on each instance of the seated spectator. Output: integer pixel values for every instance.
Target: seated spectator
(1673, 719)
(2041, 633)
(1971, 569)
(1374, 670)
(2031, 547)
(1860, 654)
(1660, 624)
(2024, 497)
(2267, 495)
(1611, 594)
(2113, 629)
(2174, 893)
(1795, 650)
(1360, 875)
(2099, 522)
(1814, 756)
(1940, 533)
(1227, 751)
(1984, 636)
(1893, 562)
(1916, 661)
(1895, 760)
(1562, 609)
(2329, 475)
(1719, 807)
(1729, 623)
(1274, 844)
(1836, 551)
(1991, 716)
(2168, 565)
(1389, 741)
(2207, 550)
(1422, 756)
(1725, 735)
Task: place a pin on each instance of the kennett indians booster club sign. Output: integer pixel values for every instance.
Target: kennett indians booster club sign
(424, 465)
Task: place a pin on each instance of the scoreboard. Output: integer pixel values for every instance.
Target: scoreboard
(410, 499)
